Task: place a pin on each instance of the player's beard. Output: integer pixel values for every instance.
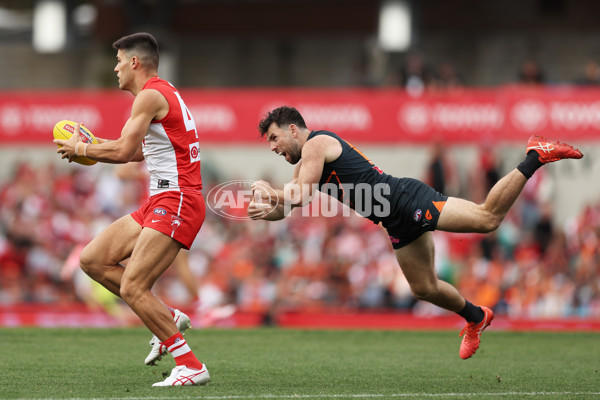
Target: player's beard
(295, 154)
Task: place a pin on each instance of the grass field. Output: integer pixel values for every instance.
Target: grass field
(288, 364)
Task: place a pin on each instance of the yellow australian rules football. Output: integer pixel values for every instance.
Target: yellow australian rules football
(63, 130)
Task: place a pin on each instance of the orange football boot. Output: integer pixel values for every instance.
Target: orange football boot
(472, 334)
(551, 151)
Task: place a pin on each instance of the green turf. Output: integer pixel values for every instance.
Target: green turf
(279, 363)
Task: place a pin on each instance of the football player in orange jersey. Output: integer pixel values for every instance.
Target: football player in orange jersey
(407, 208)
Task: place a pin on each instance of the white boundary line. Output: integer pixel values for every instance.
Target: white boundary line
(353, 396)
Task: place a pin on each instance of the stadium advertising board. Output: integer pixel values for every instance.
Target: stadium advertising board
(361, 115)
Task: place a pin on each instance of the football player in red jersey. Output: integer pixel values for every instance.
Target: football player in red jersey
(162, 131)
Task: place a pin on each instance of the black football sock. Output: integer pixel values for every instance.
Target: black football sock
(472, 313)
(530, 164)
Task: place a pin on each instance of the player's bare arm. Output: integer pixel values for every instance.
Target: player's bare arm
(259, 209)
(300, 191)
(148, 105)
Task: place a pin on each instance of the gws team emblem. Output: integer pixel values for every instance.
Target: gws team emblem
(417, 215)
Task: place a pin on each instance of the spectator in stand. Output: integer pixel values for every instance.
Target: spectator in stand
(441, 170)
(415, 76)
(447, 78)
(531, 73)
(485, 175)
(544, 228)
(537, 194)
(303, 263)
(591, 75)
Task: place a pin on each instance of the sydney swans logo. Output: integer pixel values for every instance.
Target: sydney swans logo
(231, 199)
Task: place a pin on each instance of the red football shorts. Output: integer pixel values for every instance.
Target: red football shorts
(176, 214)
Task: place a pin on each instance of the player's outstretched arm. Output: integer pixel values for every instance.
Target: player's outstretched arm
(267, 204)
(300, 191)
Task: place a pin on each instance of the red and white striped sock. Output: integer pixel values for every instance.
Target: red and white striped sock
(181, 352)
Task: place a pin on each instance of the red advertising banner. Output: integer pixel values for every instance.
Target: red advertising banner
(359, 115)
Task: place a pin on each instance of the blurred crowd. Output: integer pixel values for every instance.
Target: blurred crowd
(527, 268)
(417, 75)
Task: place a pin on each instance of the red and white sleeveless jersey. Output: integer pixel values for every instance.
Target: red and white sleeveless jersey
(171, 147)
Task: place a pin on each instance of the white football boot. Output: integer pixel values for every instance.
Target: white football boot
(184, 376)
(158, 350)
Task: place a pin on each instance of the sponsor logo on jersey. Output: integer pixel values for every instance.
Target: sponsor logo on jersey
(160, 211)
(194, 152)
(163, 183)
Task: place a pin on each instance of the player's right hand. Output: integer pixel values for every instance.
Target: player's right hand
(262, 191)
(258, 210)
(68, 147)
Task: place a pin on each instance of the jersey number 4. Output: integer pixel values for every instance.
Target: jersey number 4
(190, 125)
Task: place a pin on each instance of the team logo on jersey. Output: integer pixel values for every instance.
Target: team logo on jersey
(176, 221)
(160, 211)
(417, 215)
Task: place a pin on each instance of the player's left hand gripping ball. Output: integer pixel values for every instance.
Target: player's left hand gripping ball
(63, 131)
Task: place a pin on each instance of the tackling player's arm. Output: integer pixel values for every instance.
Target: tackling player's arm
(258, 209)
(298, 193)
(148, 105)
(301, 192)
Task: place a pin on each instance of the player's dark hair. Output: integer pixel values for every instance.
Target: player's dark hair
(142, 45)
(282, 116)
